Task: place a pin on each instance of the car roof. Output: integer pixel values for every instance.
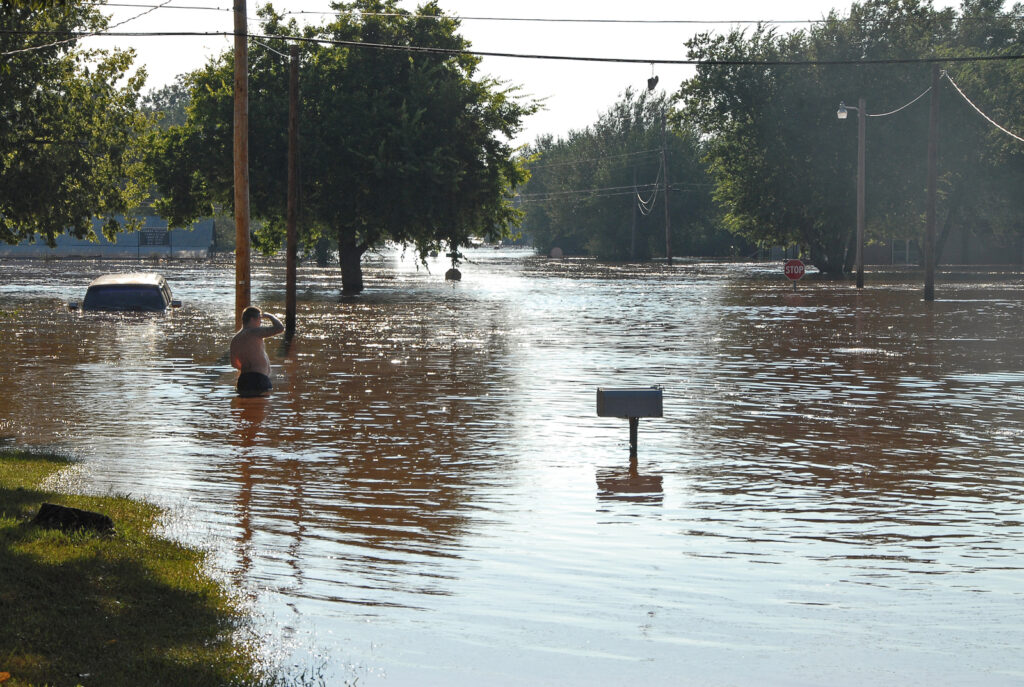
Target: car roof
(129, 279)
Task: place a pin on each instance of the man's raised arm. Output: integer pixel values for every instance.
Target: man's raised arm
(277, 327)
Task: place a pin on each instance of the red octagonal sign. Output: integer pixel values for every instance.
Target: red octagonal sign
(794, 269)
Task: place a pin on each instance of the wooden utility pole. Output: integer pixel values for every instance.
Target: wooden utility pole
(933, 154)
(664, 174)
(632, 234)
(242, 260)
(862, 115)
(293, 190)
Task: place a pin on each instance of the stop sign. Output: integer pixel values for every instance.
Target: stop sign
(794, 269)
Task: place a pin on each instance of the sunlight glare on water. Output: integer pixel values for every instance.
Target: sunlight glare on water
(428, 498)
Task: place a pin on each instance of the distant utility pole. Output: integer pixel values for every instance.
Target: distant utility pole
(242, 277)
(664, 173)
(293, 190)
(632, 233)
(862, 115)
(933, 154)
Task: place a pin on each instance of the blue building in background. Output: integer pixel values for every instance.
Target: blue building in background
(153, 240)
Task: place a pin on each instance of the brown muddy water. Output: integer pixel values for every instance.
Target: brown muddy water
(833, 497)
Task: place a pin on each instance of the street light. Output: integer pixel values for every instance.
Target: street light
(651, 83)
(861, 116)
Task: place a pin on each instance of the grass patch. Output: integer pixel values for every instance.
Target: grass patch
(129, 608)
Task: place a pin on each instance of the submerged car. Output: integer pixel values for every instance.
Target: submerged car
(137, 291)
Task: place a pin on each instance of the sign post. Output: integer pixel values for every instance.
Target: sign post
(794, 271)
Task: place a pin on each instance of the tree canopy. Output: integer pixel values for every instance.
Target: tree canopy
(69, 133)
(785, 167)
(397, 144)
(589, 190)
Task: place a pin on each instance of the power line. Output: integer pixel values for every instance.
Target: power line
(558, 20)
(169, 7)
(579, 161)
(978, 110)
(963, 95)
(646, 207)
(603, 192)
(75, 36)
(562, 20)
(276, 52)
(629, 189)
(574, 58)
(898, 109)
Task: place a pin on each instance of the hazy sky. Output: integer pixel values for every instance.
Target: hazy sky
(575, 92)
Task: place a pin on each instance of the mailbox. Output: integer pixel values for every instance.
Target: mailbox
(643, 402)
(630, 403)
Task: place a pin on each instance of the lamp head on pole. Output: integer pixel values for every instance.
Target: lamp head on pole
(841, 112)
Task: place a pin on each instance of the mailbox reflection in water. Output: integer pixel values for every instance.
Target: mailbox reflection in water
(629, 486)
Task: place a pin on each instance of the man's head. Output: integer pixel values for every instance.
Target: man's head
(251, 316)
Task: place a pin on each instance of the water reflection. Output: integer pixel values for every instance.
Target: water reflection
(629, 485)
(416, 498)
(250, 413)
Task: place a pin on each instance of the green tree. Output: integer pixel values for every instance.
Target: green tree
(167, 105)
(69, 133)
(784, 167)
(397, 144)
(584, 190)
(982, 166)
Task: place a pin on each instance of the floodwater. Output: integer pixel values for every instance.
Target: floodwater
(833, 497)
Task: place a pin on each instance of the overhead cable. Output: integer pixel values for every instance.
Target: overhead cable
(978, 110)
(569, 163)
(624, 189)
(277, 52)
(562, 20)
(886, 114)
(76, 36)
(647, 206)
(548, 196)
(557, 20)
(529, 199)
(169, 7)
(574, 58)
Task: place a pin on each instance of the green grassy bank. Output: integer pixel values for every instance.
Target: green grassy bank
(128, 608)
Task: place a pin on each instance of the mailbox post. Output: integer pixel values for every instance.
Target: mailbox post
(632, 404)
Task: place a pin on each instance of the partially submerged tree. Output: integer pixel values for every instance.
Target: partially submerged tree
(982, 165)
(401, 139)
(589, 190)
(784, 166)
(69, 126)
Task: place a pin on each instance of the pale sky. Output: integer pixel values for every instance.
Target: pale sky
(576, 92)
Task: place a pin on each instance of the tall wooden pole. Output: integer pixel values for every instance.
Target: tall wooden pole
(242, 260)
(664, 174)
(933, 154)
(861, 116)
(293, 190)
(632, 234)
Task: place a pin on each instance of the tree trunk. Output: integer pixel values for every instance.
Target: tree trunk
(350, 258)
(828, 259)
(323, 252)
(951, 218)
(850, 254)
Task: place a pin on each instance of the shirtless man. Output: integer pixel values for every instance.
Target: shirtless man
(249, 355)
